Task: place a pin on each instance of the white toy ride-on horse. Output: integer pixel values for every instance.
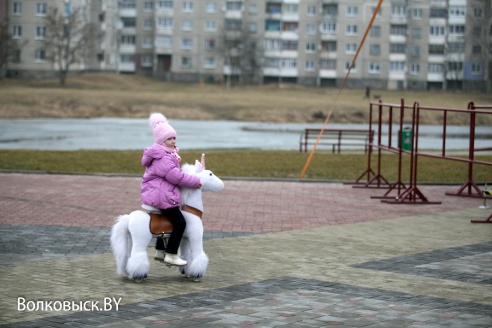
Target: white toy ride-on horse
(132, 232)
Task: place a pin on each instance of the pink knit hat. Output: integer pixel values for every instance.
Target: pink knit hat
(161, 129)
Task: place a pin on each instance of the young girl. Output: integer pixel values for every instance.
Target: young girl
(161, 182)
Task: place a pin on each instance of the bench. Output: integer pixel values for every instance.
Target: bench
(336, 138)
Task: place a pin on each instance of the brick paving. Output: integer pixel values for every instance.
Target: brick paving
(282, 253)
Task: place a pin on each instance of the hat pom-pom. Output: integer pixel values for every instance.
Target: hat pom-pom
(156, 118)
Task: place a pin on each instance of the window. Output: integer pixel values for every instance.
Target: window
(128, 21)
(16, 56)
(309, 65)
(436, 30)
(328, 64)
(253, 9)
(186, 62)
(271, 63)
(40, 55)
(272, 44)
(375, 49)
(272, 25)
(455, 66)
(289, 45)
(146, 60)
(329, 46)
(127, 59)
(416, 32)
(352, 11)
(415, 69)
(436, 49)
(186, 25)
(374, 68)
(186, 44)
(477, 12)
(165, 4)
(347, 67)
(379, 14)
(288, 63)
(148, 24)
(209, 44)
(456, 48)
(415, 51)
(290, 26)
(311, 10)
(328, 27)
(310, 47)
(233, 25)
(398, 10)
(210, 26)
(350, 48)
(273, 8)
(147, 42)
(477, 31)
(398, 30)
(128, 39)
(417, 13)
(126, 4)
(436, 68)
(40, 33)
(351, 30)
(16, 31)
(164, 23)
(209, 62)
(310, 29)
(17, 8)
(476, 49)
(437, 13)
(41, 9)
(187, 6)
(252, 28)
(148, 6)
(330, 10)
(457, 29)
(375, 31)
(233, 6)
(210, 7)
(397, 48)
(476, 68)
(163, 41)
(290, 8)
(457, 11)
(397, 66)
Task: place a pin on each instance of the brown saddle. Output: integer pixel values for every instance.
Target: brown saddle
(160, 224)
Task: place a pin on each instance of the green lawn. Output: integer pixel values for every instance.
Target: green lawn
(249, 164)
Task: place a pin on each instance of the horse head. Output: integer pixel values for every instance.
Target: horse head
(210, 182)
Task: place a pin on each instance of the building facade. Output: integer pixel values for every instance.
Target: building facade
(413, 44)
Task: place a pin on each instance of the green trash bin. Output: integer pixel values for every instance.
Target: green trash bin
(406, 139)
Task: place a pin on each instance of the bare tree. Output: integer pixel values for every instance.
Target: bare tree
(240, 52)
(484, 41)
(8, 45)
(67, 39)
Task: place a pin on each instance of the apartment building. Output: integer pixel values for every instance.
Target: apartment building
(413, 44)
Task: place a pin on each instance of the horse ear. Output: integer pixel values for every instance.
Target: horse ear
(199, 167)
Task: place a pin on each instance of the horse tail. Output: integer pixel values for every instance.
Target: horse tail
(121, 243)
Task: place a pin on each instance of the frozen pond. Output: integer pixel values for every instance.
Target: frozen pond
(130, 133)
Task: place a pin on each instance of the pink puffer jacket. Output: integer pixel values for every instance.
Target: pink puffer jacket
(162, 178)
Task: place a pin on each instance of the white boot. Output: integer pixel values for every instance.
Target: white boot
(159, 255)
(173, 259)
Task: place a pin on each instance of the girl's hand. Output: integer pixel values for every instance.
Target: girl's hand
(199, 186)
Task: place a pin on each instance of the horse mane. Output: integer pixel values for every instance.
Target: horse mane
(185, 192)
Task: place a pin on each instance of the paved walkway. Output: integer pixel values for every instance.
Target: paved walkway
(281, 254)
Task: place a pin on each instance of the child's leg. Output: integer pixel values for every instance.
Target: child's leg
(179, 224)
